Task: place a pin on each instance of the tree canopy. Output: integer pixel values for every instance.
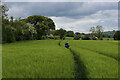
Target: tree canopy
(117, 35)
(61, 32)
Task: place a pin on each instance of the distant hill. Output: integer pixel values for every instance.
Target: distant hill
(109, 34)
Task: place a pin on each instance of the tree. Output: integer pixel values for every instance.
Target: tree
(10, 37)
(41, 30)
(42, 24)
(4, 24)
(86, 37)
(77, 36)
(92, 30)
(61, 32)
(117, 35)
(36, 19)
(4, 10)
(99, 31)
(70, 34)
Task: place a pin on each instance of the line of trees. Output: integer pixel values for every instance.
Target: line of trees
(38, 27)
(31, 28)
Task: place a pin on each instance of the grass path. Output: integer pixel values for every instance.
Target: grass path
(80, 69)
(92, 64)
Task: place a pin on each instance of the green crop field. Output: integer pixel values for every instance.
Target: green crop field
(50, 59)
(37, 59)
(99, 58)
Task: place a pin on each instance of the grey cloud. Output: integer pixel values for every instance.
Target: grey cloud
(78, 17)
(60, 9)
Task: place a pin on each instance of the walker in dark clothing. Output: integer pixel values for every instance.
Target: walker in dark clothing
(66, 45)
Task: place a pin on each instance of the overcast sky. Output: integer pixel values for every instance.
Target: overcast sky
(76, 16)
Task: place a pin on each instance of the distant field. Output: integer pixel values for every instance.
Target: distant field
(69, 38)
(108, 39)
(50, 59)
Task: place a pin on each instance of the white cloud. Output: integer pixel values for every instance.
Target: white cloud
(107, 18)
(77, 25)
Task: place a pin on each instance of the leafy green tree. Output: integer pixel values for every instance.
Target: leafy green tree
(92, 30)
(4, 10)
(10, 37)
(41, 30)
(86, 37)
(77, 36)
(4, 24)
(61, 32)
(117, 35)
(42, 24)
(70, 34)
(99, 31)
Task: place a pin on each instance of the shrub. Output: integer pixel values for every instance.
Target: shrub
(86, 37)
(76, 37)
(10, 37)
(56, 37)
(50, 36)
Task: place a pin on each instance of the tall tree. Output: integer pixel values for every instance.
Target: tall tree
(70, 34)
(92, 30)
(117, 35)
(4, 10)
(42, 24)
(99, 31)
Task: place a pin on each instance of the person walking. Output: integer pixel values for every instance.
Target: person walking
(67, 45)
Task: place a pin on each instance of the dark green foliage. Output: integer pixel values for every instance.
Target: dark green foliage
(43, 25)
(61, 32)
(70, 34)
(9, 35)
(109, 34)
(19, 30)
(37, 19)
(31, 28)
(77, 36)
(117, 35)
(86, 37)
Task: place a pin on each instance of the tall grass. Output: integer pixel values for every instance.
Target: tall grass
(96, 65)
(107, 48)
(50, 59)
(37, 59)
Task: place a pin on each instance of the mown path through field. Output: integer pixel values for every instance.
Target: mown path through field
(91, 63)
(80, 69)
